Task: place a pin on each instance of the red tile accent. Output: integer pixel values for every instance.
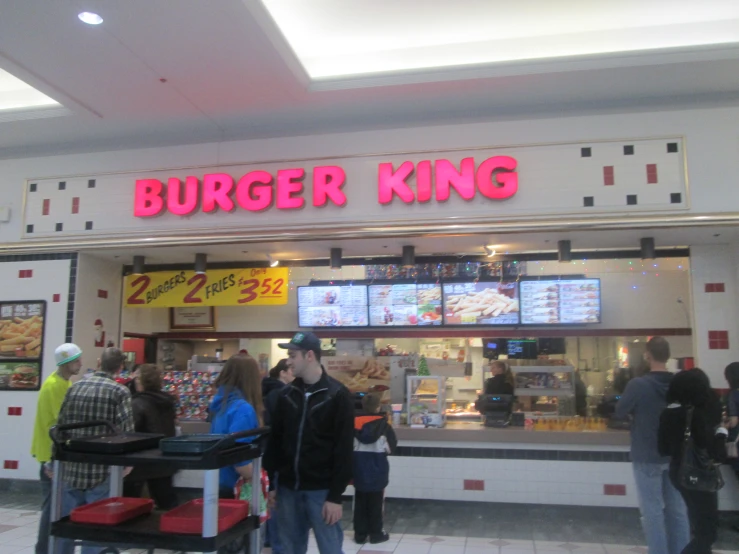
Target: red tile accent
(715, 287)
(102, 293)
(474, 485)
(15, 411)
(76, 205)
(614, 490)
(608, 176)
(25, 273)
(47, 207)
(718, 340)
(57, 298)
(651, 173)
(10, 464)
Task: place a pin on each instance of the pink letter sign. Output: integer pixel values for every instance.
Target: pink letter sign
(506, 181)
(390, 182)
(174, 193)
(148, 199)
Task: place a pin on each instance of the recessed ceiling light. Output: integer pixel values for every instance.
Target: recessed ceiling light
(90, 18)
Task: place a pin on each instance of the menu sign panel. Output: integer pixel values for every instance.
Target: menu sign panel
(332, 306)
(21, 344)
(405, 304)
(550, 302)
(481, 303)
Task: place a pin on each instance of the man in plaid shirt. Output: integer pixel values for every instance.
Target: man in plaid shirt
(97, 398)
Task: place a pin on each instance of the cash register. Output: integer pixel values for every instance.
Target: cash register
(495, 409)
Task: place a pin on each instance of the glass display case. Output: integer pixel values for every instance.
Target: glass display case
(426, 401)
(545, 390)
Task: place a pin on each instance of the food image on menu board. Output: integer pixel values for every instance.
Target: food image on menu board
(335, 316)
(405, 305)
(25, 375)
(348, 295)
(21, 330)
(561, 301)
(481, 303)
(540, 302)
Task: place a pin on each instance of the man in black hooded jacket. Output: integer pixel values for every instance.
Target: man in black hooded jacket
(310, 447)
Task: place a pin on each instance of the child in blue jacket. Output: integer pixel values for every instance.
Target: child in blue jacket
(237, 406)
(374, 439)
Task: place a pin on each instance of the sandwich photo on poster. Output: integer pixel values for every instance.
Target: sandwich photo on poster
(21, 344)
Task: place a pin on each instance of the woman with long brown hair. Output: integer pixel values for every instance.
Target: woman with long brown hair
(502, 381)
(237, 406)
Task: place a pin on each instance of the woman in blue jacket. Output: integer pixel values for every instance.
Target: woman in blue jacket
(237, 406)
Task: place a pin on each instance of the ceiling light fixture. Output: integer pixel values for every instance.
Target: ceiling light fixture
(201, 262)
(90, 18)
(138, 265)
(489, 251)
(272, 262)
(648, 251)
(336, 258)
(409, 255)
(564, 251)
(211, 340)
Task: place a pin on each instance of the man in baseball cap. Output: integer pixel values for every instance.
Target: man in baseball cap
(312, 455)
(50, 398)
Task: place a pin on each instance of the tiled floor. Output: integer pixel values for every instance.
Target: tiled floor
(427, 527)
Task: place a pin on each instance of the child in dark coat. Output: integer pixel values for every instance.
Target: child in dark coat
(374, 439)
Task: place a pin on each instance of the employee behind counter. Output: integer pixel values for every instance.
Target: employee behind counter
(502, 381)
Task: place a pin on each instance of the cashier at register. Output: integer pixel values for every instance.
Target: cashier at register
(502, 381)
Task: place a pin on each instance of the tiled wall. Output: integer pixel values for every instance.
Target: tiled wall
(39, 277)
(715, 316)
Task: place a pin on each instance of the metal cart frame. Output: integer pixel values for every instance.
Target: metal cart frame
(143, 532)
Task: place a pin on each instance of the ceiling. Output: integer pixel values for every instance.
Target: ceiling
(174, 72)
(427, 245)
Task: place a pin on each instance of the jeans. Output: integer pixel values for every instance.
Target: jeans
(42, 543)
(703, 514)
(74, 498)
(300, 511)
(664, 516)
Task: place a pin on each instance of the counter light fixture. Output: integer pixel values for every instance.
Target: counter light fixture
(211, 340)
(647, 248)
(564, 251)
(138, 265)
(90, 18)
(409, 255)
(336, 258)
(201, 262)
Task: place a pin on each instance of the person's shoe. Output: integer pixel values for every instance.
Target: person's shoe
(377, 539)
(360, 539)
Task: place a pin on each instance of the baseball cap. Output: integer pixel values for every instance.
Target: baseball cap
(66, 353)
(302, 341)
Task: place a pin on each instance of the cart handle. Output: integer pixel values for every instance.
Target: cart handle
(55, 431)
(239, 435)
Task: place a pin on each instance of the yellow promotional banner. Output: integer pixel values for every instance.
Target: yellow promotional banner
(218, 287)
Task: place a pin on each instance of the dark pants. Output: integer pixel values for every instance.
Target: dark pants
(161, 491)
(368, 508)
(703, 515)
(42, 543)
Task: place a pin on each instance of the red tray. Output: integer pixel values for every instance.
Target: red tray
(188, 518)
(112, 511)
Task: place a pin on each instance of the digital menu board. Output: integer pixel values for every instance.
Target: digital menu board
(565, 301)
(332, 306)
(481, 303)
(405, 304)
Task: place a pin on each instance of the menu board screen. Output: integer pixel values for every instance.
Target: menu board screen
(405, 304)
(481, 303)
(551, 302)
(21, 344)
(332, 306)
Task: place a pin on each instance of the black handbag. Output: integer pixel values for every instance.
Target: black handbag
(697, 471)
